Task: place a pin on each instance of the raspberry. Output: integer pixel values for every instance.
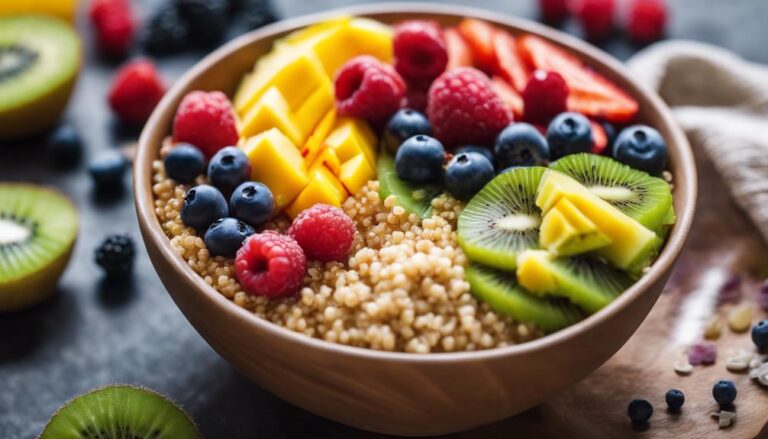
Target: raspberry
(596, 17)
(270, 264)
(136, 91)
(115, 26)
(463, 108)
(420, 50)
(324, 232)
(544, 97)
(206, 120)
(368, 88)
(554, 11)
(647, 19)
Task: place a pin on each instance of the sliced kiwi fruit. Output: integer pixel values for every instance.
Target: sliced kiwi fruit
(39, 61)
(586, 281)
(502, 293)
(38, 227)
(502, 220)
(413, 198)
(642, 197)
(120, 412)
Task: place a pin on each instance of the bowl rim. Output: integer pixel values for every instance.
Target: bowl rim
(152, 230)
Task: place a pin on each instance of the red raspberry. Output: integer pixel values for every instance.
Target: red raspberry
(463, 108)
(597, 18)
(324, 232)
(368, 88)
(420, 49)
(554, 11)
(544, 97)
(115, 26)
(647, 19)
(416, 98)
(136, 91)
(270, 264)
(206, 120)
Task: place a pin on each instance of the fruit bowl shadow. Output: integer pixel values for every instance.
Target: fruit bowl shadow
(399, 393)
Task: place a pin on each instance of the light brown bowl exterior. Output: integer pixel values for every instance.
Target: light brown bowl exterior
(399, 393)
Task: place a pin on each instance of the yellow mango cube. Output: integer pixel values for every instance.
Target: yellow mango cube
(323, 188)
(327, 159)
(314, 145)
(271, 111)
(565, 231)
(533, 272)
(360, 36)
(277, 163)
(314, 109)
(319, 30)
(351, 137)
(355, 173)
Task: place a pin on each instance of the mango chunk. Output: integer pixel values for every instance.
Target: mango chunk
(533, 273)
(351, 137)
(271, 111)
(355, 173)
(277, 163)
(323, 188)
(314, 109)
(360, 36)
(565, 231)
(328, 159)
(314, 145)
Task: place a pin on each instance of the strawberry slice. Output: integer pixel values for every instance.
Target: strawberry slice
(599, 138)
(459, 53)
(509, 65)
(511, 98)
(479, 36)
(591, 94)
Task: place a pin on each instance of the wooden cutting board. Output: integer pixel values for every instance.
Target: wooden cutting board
(723, 242)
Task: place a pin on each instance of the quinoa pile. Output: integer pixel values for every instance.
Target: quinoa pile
(402, 289)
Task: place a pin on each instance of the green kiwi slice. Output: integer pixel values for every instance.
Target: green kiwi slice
(502, 220)
(502, 293)
(120, 412)
(39, 61)
(645, 198)
(414, 199)
(38, 227)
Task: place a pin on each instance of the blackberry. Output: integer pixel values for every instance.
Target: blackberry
(257, 13)
(115, 255)
(166, 32)
(208, 20)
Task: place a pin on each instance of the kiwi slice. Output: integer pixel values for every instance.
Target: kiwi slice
(120, 412)
(38, 227)
(501, 291)
(642, 197)
(502, 220)
(413, 198)
(586, 281)
(39, 61)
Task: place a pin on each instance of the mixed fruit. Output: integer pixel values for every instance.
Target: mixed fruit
(562, 214)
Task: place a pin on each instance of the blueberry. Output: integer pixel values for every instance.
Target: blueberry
(404, 124)
(675, 399)
(116, 255)
(65, 147)
(724, 392)
(184, 163)
(760, 335)
(226, 235)
(228, 168)
(520, 144)
(569, 133)
(641, 147)
(486, 152)
(610, 134)
(467, 173)
(107, 170)
(252, 202)
(420, 159)
(639, 411)
(203, 205)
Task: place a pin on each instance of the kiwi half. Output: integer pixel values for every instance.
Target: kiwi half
(38, 227)
(120, 412)
(502, 220)
(501, 291)
(413, 198)
(642, 197)
(39, 62)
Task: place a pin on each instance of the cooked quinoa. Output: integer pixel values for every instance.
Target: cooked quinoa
(402, 289)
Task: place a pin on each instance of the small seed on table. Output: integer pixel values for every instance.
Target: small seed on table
(725, 418)
(683, 367)
(713, 329)
(739, 361)
(740, 318)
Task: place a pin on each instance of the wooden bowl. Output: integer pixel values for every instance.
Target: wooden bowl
(402, 393)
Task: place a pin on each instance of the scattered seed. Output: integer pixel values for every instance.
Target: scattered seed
(683, 367)
(758, 372)
(740, 361)
(755, 362)
(713, 329)
(724, 418)
(740, 318)
(702, 353)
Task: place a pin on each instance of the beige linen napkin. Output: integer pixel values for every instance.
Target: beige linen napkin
(721, 102)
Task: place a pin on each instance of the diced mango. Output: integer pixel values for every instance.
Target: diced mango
(351, 137)
(314, 145)
(314, 108)
(355, 173)
(323, 188)
(328, 159)
(533, 272)
(360, 36)
(271, 111)
(565, 231)
(277, 163)
(318, 30)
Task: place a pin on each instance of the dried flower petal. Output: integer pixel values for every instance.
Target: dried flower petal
(762, 296)
(730, 291)
(739, 361)
(702, 353)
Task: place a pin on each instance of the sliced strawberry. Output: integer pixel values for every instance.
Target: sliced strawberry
(511, 98)
(509, 64)
(591, 93)
(599, 138)
(459, 52)
(479, 36)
